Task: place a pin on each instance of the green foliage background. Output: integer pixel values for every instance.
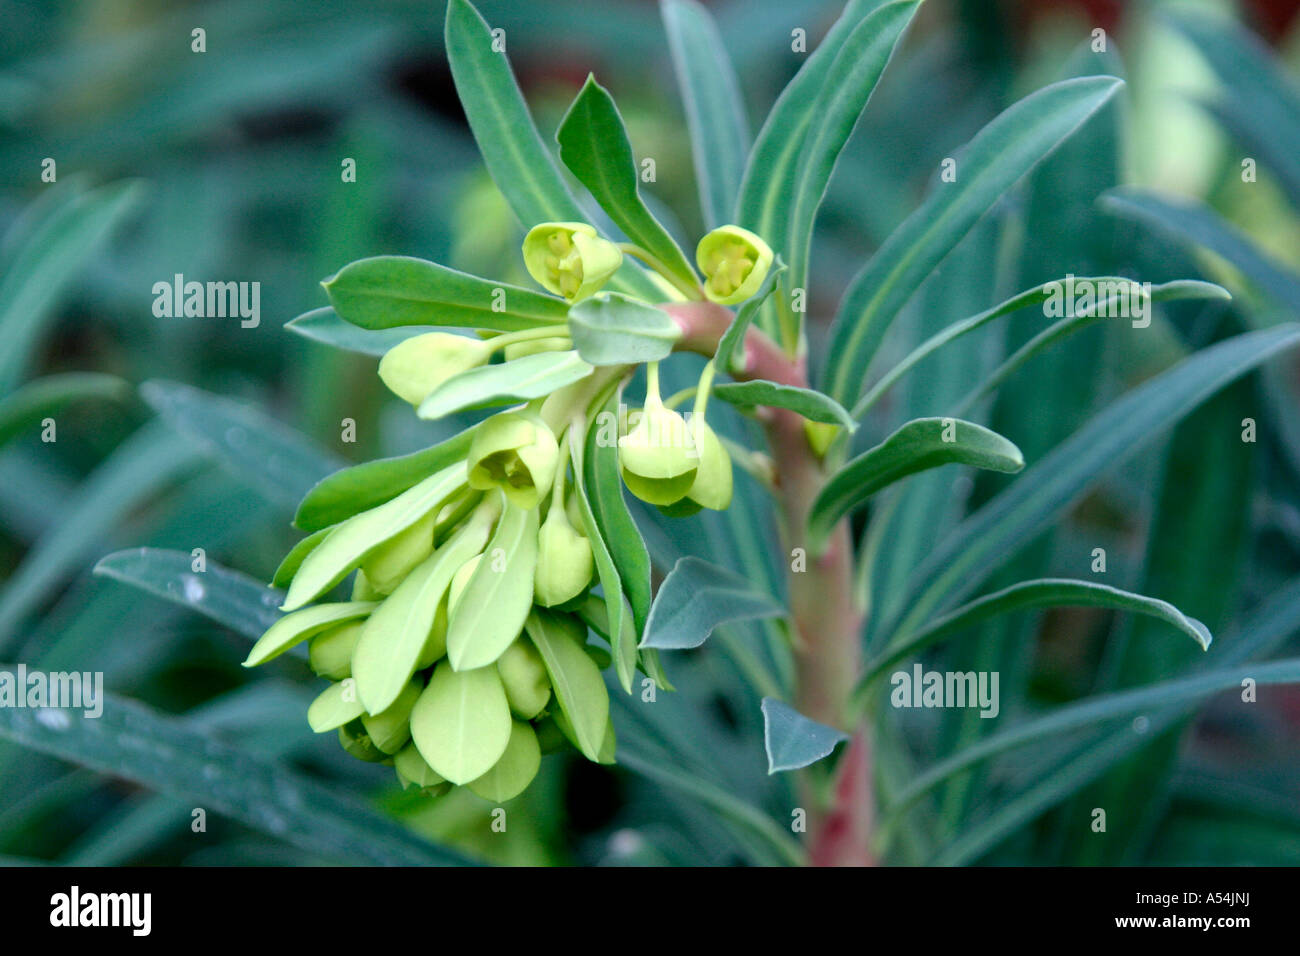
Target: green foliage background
(226, 166)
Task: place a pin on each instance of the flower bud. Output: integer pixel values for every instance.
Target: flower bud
(523, 674)
(387, 565)
(411, 767)
(569, 259)
(657, 457)
(564, 561)
(713, 484)
(390, 729)
(516, 452)
(413, 368)
(734, 262)
(357, 742)
(330, 652)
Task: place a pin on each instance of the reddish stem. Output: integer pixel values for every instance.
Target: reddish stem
(828, 621)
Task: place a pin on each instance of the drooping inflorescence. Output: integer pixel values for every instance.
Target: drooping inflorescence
(461, 654)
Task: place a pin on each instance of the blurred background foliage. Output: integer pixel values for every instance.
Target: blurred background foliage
(226, 166)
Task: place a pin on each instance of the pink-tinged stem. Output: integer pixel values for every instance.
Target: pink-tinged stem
(828, 621)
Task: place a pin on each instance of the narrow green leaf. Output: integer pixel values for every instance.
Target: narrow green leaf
(512, 148)
(603, 487)
(293, 629)
(146, 463)
(989, 537)
(767, 188)
(1064, 328)
(490, 613)
(849, 83)
(393, 638)
(347, 545)
(809, 403)
(297, 554)
(696, 597)
(48, 396)
(602, 544)
(1096, 710)
(578, 686)
(172, 756)
(1112, 295)
(793, 740)
(51, 256)
(461, 723)
(1045, 592)
(725, 356)
(350, 491)
(389, 291)
(228, 597)
(990, 164)
(919, 445)
(278, 461)
(611, 329)
(324, 325)
(715, 110)
(594, 146)
(1197, 223)
(531, 376)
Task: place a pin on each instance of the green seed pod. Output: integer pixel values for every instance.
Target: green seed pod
(516, 452)
(355, 740)
(657, 456)
(330, 652)
(412, 369)
(411, 767)
(516, 350)
(389, 730)
(435, 645)
(569, 258)
(565, 563)
(511, 775)
(523, 674)
(388, 564)
(713, 483)
(734, 262)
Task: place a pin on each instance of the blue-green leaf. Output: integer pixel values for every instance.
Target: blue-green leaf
(697, 597)
(793, 740)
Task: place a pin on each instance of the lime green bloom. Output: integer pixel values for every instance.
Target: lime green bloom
(657, 457)
(569, 258)
(734, 262)
(412, 369)
(516, 452)
(564, 560)
(713, 482)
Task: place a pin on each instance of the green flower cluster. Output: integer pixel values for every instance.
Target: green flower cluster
(462, 653)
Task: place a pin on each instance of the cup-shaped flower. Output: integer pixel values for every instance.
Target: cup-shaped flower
(657, 456)
(564, 560)
(713, 483)
(569, 258)
(734, 262)
(413, 368)
(516, 452)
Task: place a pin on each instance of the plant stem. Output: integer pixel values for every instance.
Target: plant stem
(827, 619)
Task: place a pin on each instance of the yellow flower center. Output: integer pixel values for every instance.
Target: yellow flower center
(564, 263)
(728, 265)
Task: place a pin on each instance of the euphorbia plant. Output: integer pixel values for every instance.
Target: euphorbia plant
(495, 574)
